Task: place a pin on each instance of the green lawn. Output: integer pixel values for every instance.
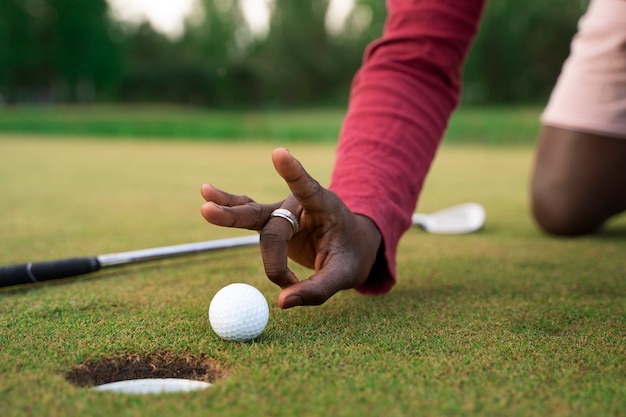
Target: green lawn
(503, 322)
(468, 125)
(173, 123)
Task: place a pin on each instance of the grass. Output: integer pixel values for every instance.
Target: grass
(469, 125)
(506, 321)
(173, 123)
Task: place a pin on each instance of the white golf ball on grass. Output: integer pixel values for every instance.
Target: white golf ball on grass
(238, 312)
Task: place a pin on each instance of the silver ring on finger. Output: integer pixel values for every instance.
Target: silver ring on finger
(289, 216)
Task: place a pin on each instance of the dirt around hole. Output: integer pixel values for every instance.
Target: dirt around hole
(153, 365)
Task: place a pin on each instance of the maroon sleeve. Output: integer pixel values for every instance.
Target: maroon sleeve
(400, 103)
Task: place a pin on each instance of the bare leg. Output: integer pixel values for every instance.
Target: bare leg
(579, 181)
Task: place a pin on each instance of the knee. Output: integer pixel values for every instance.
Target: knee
(577, 182)
(561, 214)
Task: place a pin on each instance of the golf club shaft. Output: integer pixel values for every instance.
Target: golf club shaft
(64, 268)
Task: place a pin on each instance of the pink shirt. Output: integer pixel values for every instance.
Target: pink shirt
(590, 94)
(400, 103)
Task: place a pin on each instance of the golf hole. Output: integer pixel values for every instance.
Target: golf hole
(160, 372)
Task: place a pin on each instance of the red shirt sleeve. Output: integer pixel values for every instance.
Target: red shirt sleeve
(400, 103)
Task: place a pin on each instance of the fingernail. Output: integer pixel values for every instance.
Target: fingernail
(293, 300)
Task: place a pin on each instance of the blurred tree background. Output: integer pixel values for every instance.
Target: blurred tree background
(74, 51)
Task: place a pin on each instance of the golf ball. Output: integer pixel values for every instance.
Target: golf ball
(238, 312)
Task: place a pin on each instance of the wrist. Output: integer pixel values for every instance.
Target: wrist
(370, 239)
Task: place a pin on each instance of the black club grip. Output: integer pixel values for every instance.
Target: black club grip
(45, 271)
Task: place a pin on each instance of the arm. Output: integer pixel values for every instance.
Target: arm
(399, 107)
(400, 103)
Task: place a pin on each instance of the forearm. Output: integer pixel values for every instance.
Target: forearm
(400, 104)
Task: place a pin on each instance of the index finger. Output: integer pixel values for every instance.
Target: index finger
(231, 210)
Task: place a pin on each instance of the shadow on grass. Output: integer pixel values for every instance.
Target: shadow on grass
(613, 232)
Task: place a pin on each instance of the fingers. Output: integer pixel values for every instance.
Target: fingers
(343, 261)
(210, 193)
(278, 232)
(275, 238)
(230, 210)
(331, 238)
(316, 206)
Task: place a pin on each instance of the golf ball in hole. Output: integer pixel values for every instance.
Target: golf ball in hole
(238, 312)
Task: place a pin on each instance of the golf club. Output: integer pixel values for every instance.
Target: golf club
(455, 220)
(464, 218)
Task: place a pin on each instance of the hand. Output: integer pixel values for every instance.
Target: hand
(339, 245)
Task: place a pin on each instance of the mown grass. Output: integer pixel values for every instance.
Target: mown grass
(506, 321)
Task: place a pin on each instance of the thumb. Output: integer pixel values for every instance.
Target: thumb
(286, 164)
(301, 184)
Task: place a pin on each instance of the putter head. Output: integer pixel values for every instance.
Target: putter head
(460, 219)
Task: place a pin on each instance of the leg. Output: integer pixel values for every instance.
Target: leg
(579, 181)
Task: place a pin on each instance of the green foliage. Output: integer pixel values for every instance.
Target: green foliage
(70, 50)
(520, 49)
(57, 50)
(158, 69)
(206, 66)
(85, 57)
(21, 56)
(295, 58)
(365, 23)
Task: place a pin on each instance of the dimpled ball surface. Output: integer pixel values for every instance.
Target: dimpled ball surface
(238, 312)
